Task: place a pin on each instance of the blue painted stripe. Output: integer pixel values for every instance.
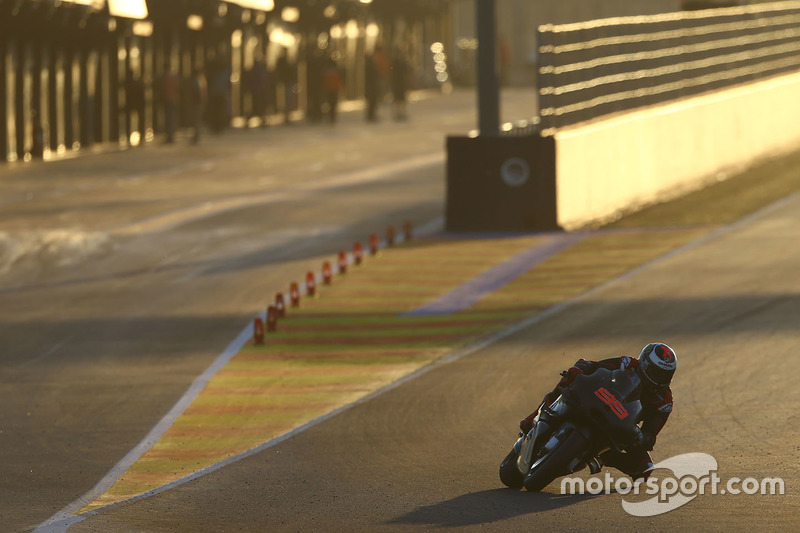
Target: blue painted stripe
(469, 293)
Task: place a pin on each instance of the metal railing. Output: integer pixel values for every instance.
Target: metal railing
(596, 68)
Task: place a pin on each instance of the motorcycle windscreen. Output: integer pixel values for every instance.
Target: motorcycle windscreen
(611, 401)
(625, 383)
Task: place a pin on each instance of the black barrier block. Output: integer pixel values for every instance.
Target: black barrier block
(501, 184)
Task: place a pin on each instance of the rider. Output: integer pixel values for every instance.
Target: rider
(655, 366)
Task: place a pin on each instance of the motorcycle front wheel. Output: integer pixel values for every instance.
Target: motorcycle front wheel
(509, 473)
(555, 462)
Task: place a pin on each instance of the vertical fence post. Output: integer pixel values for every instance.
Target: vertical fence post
(544, 78)
(488, 86)
(3, 110)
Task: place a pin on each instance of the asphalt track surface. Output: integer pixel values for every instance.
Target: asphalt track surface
(423, 455)
(124, 275)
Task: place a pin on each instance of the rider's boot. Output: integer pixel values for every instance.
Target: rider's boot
(595, 465)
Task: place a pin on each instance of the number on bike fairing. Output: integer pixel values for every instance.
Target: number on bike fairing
(611, 401)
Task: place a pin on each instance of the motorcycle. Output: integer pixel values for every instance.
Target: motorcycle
(596, 412)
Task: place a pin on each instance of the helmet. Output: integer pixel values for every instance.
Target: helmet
(657, 363)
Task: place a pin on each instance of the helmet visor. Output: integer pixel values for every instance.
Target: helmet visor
(657, 375)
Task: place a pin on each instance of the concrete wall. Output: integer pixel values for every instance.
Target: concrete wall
(645, 156)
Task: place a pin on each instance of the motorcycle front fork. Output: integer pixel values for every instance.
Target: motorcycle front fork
(528, 444)
(542, 424)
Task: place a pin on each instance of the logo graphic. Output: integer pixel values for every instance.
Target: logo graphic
(515, 172)
(691, 474)
(695, 465)
(665, 353)
(611, 401)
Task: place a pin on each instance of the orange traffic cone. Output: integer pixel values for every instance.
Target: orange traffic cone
(258, 331)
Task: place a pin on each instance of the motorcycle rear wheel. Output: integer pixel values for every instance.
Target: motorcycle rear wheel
(509, 473)
(555, 463)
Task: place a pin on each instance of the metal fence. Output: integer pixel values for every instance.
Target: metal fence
(605, 66)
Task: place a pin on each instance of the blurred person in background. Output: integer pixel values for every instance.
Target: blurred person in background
(198, 94)
(384, 65)
(284, 75)
(315, 64)
(134, 102)
(258, 85)
(399, 82)
(332, 85)
(219, 82)
(372, 84)
(170, 93)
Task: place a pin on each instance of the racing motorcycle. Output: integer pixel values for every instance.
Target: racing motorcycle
(596, 412)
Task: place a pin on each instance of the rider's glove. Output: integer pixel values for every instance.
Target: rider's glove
(644, 441)
(568, 376)
(526, 424)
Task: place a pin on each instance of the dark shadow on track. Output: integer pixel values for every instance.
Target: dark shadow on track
(171, 335)
(486, 507)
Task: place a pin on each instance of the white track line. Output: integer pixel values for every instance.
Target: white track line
(62, 520)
